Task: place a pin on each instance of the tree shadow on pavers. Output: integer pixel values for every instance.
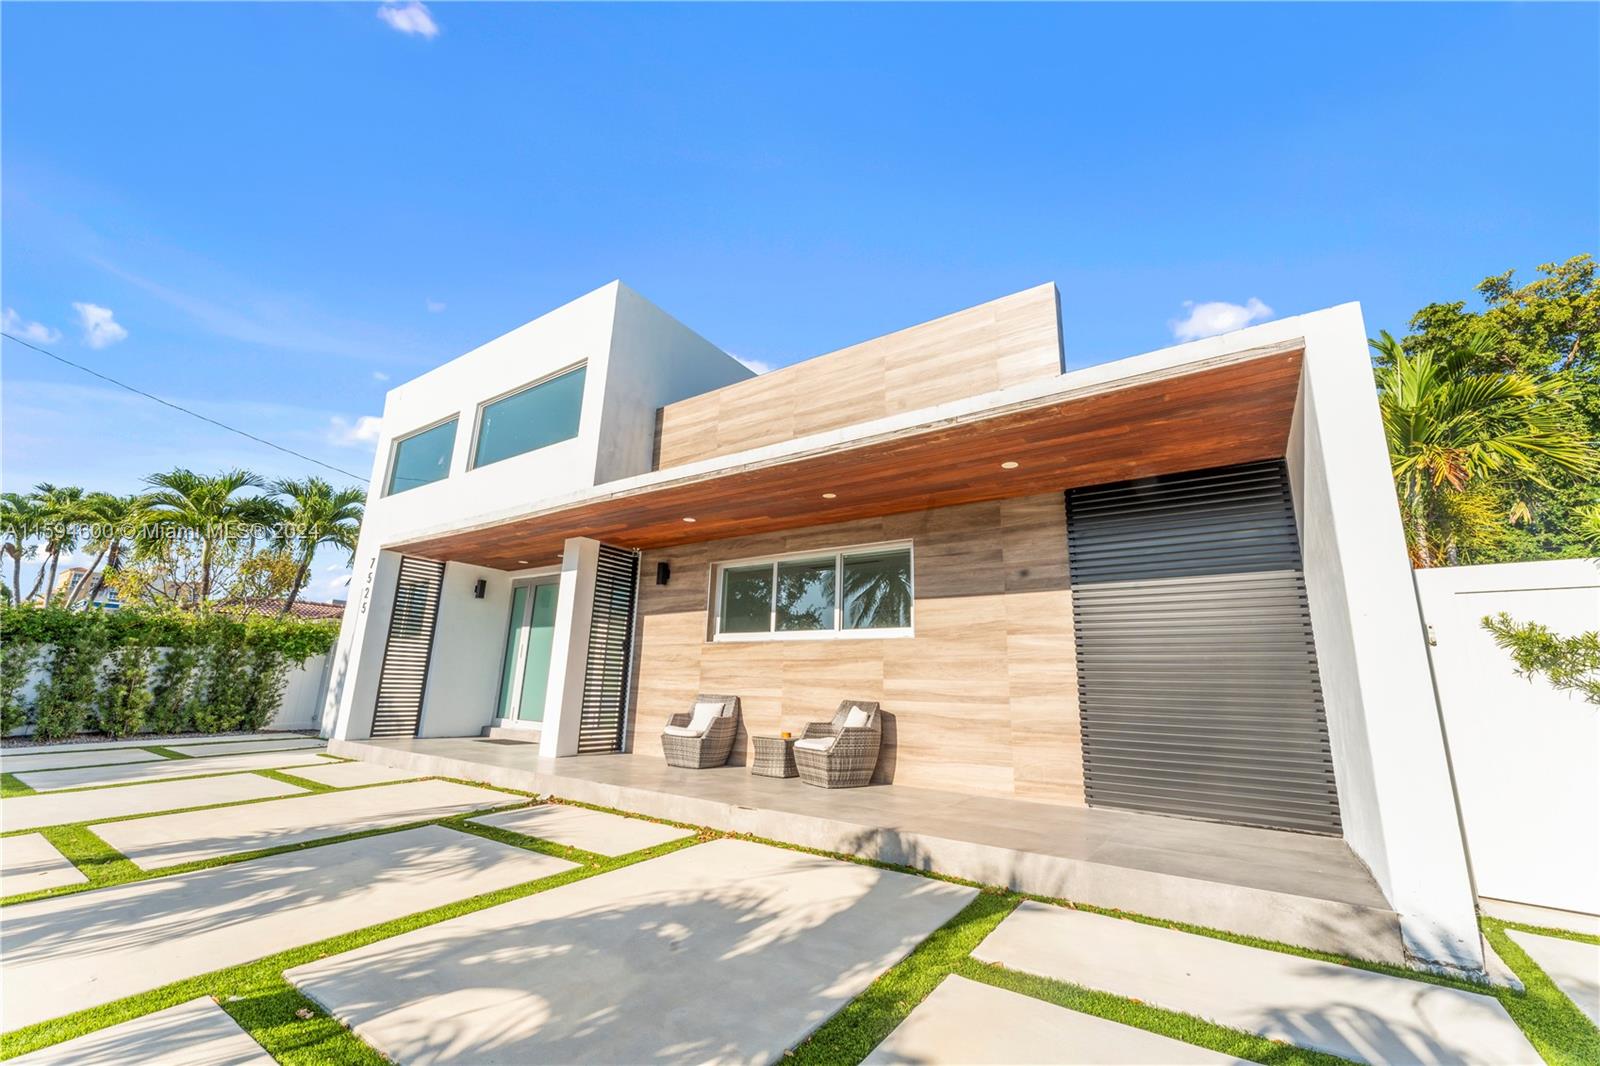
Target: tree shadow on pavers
(154, 912)
(733, 972)
(1437, 1032)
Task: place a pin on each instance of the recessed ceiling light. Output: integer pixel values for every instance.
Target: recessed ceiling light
(688, 519)
(522, 562)
(830, 495)
(1009, 464)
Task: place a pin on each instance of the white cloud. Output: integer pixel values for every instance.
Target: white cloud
(760, 366)
(1210, 319)
(364, 430)
(378, 375)
(435, 306)
(100, 327)
(34, 332)
(410, 18)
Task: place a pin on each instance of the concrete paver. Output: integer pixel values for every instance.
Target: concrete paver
(29, 863)
(1358, 1014)
(175, 839)
(142, 740)
(349, 774)
(965, 1022)
(579, 827)
(90, 776)
(82, 950)
(1549, 917)
(1572, 965)
(196, 1033)
(245, 747)
(59, 808)
(55, 760)
(727, 951)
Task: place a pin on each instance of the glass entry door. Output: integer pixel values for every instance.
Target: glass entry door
(529, 635)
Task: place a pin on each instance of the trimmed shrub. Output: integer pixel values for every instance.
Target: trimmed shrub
(16, 663)
(125, 695)
(66, 702)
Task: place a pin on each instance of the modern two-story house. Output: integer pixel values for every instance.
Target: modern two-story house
(1172, 587)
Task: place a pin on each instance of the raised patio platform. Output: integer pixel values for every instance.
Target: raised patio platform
(1291, 887)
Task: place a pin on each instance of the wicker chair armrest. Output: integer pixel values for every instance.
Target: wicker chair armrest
(857, 732)
(679, 719)
(720, 727)
(817, 729)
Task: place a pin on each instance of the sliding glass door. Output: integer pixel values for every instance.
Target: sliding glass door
(525, 672)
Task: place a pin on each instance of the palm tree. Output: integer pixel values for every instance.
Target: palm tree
(317, 514)
(114, 519)
(208, 508)
(19, 523)
(1457, 440)
(61, 511)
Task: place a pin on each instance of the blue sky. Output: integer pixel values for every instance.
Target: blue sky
(270, 212)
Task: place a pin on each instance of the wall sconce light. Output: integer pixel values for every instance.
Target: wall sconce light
(663, 572)
(479, 589)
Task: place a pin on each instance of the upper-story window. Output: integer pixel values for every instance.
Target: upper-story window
(422, 458)
(851, 592)
(535, 417)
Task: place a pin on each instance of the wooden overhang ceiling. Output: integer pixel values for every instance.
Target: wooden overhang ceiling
(1232, 410)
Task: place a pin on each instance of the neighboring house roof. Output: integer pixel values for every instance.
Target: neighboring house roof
(311, 610)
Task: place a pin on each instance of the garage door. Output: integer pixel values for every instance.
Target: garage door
(1197, 675)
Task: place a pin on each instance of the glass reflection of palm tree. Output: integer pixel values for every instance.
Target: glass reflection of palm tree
(805, 596)
(877, 591)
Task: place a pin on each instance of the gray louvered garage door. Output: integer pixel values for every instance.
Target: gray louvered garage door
(1197, 675)
(605, 678)
(405, 656)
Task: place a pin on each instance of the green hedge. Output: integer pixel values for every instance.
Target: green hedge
(220, 673)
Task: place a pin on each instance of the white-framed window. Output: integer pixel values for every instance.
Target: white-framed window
(863, 591)
(529, 417)
(421, 457)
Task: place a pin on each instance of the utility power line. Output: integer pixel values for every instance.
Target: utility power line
(179, 407)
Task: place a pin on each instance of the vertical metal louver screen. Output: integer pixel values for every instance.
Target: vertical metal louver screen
(605, 680)
(1197, 674)
(405, 656)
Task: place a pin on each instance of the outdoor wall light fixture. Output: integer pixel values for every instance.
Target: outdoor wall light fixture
(479, 588)
(1009, 464)
(663, 572)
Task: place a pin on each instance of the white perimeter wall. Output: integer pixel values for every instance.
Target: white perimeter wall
(1526, 755)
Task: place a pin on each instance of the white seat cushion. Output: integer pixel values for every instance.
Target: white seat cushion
(816, 743)
(856, 718)
(704, 714)
(682, 731)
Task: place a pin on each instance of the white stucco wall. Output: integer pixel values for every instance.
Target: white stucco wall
(637, 359)
(1396, 797)
(1526, 755)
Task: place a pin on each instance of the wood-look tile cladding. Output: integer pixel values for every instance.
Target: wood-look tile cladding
(1234, 409)
(982, 699)
(984, 348)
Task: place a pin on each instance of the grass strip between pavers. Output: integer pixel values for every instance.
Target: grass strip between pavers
(1560, 1032)
(267, 1006)
(165, 752)
(10, 786)
(104, 866)
(326, 759)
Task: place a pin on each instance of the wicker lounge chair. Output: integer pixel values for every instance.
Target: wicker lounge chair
(692, 748)
(840, 755)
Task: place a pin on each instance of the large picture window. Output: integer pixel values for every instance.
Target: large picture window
(422, 458)
(850, 592)
(529, 419)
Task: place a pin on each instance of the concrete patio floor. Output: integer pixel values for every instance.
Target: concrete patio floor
(1292, 887)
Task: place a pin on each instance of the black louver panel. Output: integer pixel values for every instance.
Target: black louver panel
(404, 677)
(1197, 674)
(605, 681)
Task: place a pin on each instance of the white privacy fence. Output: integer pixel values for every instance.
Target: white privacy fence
(301, 707)
(1526, 756)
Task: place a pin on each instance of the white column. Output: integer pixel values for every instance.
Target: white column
(569, 648)
(358, 656)
(1396, 796)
